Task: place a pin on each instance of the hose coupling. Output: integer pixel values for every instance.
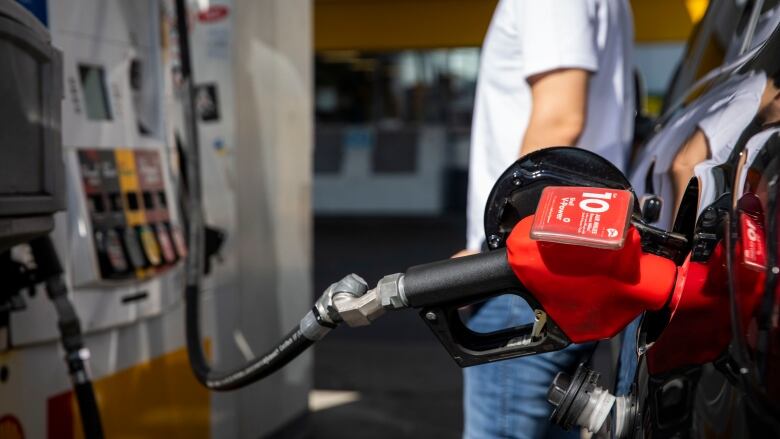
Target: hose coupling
(350, 301)
(360, 309)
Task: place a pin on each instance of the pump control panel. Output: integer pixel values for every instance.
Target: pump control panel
(127, 203)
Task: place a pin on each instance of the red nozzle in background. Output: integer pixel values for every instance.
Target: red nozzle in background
(590, 293)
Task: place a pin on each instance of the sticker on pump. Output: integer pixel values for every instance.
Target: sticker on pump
(113, 248)
(589, 216)
(178, 242)
(166, 246)
(149, 243)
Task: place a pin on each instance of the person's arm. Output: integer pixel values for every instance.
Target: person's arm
(694, 151)
(558, 50)
(558, 110)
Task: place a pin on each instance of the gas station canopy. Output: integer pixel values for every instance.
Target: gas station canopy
(417, 24)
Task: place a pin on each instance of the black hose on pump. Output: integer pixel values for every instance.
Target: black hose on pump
(49, 269)
(294, 343)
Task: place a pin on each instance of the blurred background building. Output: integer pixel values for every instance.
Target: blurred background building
(394, 90)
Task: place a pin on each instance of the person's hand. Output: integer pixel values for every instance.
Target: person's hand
(464, 252)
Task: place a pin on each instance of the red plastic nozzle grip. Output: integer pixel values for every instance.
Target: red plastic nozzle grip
(590, 293)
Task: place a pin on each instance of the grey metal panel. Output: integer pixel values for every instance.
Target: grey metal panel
(31, 170)
(32, 180)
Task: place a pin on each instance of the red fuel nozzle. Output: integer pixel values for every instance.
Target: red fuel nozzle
(591, 293)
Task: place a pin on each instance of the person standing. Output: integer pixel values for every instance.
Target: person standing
(552, 73)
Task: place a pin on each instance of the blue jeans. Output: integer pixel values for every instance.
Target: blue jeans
(628, 359)
(508, 399)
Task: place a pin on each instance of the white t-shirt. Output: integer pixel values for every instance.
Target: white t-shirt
(528, 37)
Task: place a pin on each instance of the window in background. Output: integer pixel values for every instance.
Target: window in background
(395, 123)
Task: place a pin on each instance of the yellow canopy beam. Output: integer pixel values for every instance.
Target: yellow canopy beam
(419, 24)
(400, 24)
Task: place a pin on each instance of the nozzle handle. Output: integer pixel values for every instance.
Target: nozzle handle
(441, 288)
(468, 277)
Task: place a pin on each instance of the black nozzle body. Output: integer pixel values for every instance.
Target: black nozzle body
(458, 279)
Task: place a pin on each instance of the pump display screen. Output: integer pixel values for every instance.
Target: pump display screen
(93, 82)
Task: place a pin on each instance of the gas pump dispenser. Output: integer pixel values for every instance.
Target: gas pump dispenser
(122, 227)
(32, 192)
(120, 240)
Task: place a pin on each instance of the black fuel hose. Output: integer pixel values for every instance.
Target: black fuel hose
(88, 410)
(50, 270)
(294, 343)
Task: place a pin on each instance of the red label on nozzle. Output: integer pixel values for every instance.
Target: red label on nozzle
(589, 216)
(753, 248)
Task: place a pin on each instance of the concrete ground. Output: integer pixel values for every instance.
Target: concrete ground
(391, 379)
